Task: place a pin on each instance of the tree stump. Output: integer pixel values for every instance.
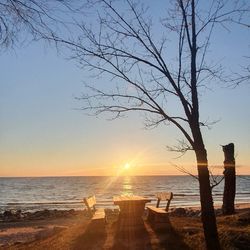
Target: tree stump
(230, 180)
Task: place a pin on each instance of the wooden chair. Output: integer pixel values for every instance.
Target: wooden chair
(96, 214)
(157, 214)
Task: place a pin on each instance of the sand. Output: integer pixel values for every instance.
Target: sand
(76, 231)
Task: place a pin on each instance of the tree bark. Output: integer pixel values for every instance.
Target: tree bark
(230, 180)
(206, 199)
(207, 208)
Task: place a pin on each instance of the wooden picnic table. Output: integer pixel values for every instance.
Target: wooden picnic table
(131, 207)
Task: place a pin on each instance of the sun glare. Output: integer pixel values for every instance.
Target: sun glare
(125, 169)
(127, 166)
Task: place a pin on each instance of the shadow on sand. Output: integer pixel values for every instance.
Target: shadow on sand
(164, 236)
(122, 235)
(130, 236)
(93, 237)
(143, 235)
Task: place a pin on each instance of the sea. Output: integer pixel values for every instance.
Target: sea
(30, 194)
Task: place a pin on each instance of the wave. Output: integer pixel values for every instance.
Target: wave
(66, 193)
(107, 200)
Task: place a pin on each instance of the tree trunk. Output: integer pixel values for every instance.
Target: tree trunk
(230, 180)
(206, 199)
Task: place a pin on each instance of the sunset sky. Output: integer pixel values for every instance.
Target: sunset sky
(43, 134)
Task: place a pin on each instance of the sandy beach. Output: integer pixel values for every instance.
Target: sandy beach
(74, 230)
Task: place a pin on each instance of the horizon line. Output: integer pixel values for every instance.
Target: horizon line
(52, 176)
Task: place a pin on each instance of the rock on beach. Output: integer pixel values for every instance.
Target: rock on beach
(18, 215)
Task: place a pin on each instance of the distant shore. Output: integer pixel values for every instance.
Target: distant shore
(66, 229)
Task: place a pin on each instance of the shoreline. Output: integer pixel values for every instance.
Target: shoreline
(112, 206)
(24, 214)
(47, 225)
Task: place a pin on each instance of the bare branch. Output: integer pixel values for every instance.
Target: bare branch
(215, 180)
(22, 20)
(182, 147)
(185, 171)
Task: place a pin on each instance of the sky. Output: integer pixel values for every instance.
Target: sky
(42, 132)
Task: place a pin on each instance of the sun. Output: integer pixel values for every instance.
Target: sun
(125, 169)
(127, 166)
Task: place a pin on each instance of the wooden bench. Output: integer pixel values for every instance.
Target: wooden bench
(95, 214)
(157, 214)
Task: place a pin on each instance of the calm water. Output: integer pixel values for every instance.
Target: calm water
(32, 194)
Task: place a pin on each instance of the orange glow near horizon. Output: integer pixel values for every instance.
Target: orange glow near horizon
(139, 165)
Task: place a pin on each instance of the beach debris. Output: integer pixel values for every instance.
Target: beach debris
(18, 215)
(12, 215)
(189, 212)
(180, 211)
(192, 213)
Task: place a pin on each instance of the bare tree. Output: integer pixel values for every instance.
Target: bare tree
(244, 76)
(239, 78)
(145, 77)
(25, 20)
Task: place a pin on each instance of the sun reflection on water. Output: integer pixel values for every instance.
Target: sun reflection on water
(127, 186)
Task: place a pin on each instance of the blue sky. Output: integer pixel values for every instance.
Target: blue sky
(42, 133)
